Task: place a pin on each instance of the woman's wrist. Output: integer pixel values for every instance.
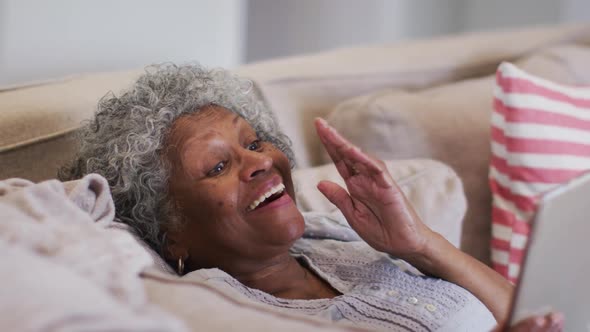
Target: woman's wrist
(433, 254)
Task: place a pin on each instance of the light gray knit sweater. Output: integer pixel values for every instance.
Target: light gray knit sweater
(379, 292)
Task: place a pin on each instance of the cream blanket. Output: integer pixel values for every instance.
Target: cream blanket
(65, 267)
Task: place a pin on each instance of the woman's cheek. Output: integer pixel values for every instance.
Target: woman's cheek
(223, 198)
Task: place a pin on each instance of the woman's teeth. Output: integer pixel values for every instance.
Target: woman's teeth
(274, 190)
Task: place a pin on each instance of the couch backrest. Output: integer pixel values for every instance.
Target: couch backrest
(37, 122)
(304, 87)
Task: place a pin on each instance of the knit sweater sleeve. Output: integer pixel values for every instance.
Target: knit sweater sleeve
(473, 317)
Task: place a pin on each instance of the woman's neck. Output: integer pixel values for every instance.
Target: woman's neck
(286, 278)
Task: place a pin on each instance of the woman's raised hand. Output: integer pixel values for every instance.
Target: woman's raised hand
(374, 205)
(378, 211)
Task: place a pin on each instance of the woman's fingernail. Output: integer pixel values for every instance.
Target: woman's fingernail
(540, 321)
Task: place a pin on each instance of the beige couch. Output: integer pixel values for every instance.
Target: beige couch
(430, 98)
(425, 99)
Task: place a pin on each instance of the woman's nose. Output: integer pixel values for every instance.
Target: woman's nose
(254, 163)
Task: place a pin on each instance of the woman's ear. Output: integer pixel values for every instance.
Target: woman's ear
(174, 247)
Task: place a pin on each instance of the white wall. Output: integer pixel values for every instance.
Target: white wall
(576, 10)
(289, 27)
(485, 14)
(42, 39)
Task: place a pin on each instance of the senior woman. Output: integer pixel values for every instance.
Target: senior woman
(198, 167)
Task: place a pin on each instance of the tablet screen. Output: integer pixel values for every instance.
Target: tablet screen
(556, 270)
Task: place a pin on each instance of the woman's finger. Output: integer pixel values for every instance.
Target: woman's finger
(345, 166)
(338, 196)
(322, 129)
(339, 148)
(348, 158)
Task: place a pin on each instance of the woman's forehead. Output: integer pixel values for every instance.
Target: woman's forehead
(193, 135)
(204, 123)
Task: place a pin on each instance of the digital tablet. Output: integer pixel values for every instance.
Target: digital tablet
(556, 269)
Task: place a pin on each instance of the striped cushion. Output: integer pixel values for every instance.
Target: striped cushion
(540, 138)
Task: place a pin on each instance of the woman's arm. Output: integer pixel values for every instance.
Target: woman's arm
(379, 212)
(440, 258)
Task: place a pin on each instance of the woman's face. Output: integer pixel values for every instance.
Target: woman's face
(234, 191)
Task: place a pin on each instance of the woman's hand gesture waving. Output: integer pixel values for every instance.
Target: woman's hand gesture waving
(379, 212)
(374, 205)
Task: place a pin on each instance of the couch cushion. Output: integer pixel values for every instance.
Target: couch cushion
(449, 123)
(540, 139)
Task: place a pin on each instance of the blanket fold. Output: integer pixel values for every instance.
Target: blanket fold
(65, 237)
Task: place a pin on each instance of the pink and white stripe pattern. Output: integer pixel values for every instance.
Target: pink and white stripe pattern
(540, 138)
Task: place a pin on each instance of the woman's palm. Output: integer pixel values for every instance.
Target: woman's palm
(374, 205)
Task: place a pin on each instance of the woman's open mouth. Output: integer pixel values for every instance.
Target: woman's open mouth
(270, 196)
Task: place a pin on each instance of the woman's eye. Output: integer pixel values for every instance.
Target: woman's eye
(217, 169)
(254, 145)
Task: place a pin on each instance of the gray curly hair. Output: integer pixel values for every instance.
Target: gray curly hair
(124, 142)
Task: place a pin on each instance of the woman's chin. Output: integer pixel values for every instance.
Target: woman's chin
(285, 228)
(296, 232)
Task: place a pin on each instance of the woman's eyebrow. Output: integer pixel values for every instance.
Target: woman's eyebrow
(243, 124)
